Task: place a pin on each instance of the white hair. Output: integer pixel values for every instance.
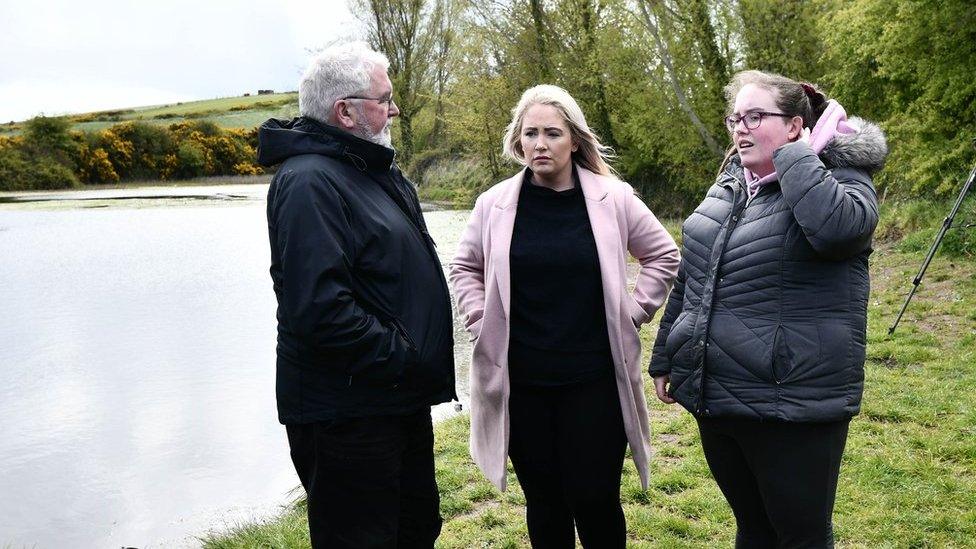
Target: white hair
(337, 72)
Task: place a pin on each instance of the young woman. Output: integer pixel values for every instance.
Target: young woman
(541, 279)
(763, 336)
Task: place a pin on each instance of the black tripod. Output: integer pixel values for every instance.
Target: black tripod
(946, 225)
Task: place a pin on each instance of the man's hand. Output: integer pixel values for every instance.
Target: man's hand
(661, 388)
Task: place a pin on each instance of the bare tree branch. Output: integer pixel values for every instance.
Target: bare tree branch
(650, 21)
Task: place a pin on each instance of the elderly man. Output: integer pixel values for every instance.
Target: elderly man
(365, 333)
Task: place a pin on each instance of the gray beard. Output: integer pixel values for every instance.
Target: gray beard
(382, 137)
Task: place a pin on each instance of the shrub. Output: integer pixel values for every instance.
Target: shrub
(191, 160)
(13, 169)
(48, 137)
(19, 172)
(457, 181)
(147, 143)
(94, 166)
(48, 156)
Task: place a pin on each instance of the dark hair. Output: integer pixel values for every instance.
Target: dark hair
(793, 98)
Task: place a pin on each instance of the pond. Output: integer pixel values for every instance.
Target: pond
(137, 352)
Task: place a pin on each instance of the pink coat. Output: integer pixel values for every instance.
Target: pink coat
(621, 223)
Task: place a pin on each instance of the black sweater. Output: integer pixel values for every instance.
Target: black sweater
(558, 323)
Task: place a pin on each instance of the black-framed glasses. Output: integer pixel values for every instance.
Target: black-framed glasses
(751, 119)
(381, 100)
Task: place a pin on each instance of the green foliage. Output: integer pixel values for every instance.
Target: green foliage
(48, 137)
(94, 166)
(191, 160)
(454, 181)
(913, 226)
(957, 242)
(910, 66)
(43, 158)
(905, 65)
(22, 172)
(780, 37)
(48, 156)
(137, 149)
(648, 75)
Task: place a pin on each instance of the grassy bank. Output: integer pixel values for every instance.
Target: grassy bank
(227, 112)
(909, 473)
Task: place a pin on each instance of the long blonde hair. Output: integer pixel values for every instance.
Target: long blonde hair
(590, 153)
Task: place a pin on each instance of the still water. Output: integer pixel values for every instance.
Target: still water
(137, 366)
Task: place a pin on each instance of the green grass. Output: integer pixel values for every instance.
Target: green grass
(227, 112)
(909, 473)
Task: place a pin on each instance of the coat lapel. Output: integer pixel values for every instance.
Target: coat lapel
(606, 234)
(502, 225)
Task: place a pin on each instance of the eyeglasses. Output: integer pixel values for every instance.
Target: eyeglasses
(751, 119)
(381, 100)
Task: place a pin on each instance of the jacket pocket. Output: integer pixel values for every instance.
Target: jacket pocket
(677, 337)
(780, 365)
(403, 333)
(797, 352)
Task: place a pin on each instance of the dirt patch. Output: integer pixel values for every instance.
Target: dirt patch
(479, 509)
(668, 438)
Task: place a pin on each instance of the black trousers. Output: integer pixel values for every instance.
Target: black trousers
(779, 478)
(567, 446)
(370, 481)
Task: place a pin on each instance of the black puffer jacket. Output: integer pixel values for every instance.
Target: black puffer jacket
(364, 317)
(767, 318)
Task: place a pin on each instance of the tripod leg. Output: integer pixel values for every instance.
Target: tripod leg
(946, 225)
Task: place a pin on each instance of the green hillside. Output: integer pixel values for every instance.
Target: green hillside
(227, 112)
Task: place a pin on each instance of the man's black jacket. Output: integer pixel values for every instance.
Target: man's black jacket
(364, 317)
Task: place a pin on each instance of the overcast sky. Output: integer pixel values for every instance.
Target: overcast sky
(69, 56)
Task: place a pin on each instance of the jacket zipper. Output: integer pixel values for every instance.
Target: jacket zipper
(733, 220)
(431, 247)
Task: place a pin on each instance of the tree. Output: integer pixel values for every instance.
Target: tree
(781, 36)
(909, 65)
(651, 14)
(445, 60)
(48, 139)
(584, 68)
(406, 31)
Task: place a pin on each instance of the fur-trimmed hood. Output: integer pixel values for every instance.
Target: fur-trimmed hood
(866, 148)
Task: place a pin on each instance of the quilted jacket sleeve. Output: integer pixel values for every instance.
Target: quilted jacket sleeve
(836, 209)
(659, 359)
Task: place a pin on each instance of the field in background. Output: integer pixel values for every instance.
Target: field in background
(227, 112)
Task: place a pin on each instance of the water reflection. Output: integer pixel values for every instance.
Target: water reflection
(137, 354)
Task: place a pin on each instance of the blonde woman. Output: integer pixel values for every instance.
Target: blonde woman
(540, 277)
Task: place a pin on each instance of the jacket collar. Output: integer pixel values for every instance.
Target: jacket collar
(365, 155)
(592, 186)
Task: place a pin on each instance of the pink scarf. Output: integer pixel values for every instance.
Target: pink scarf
(832, 122)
